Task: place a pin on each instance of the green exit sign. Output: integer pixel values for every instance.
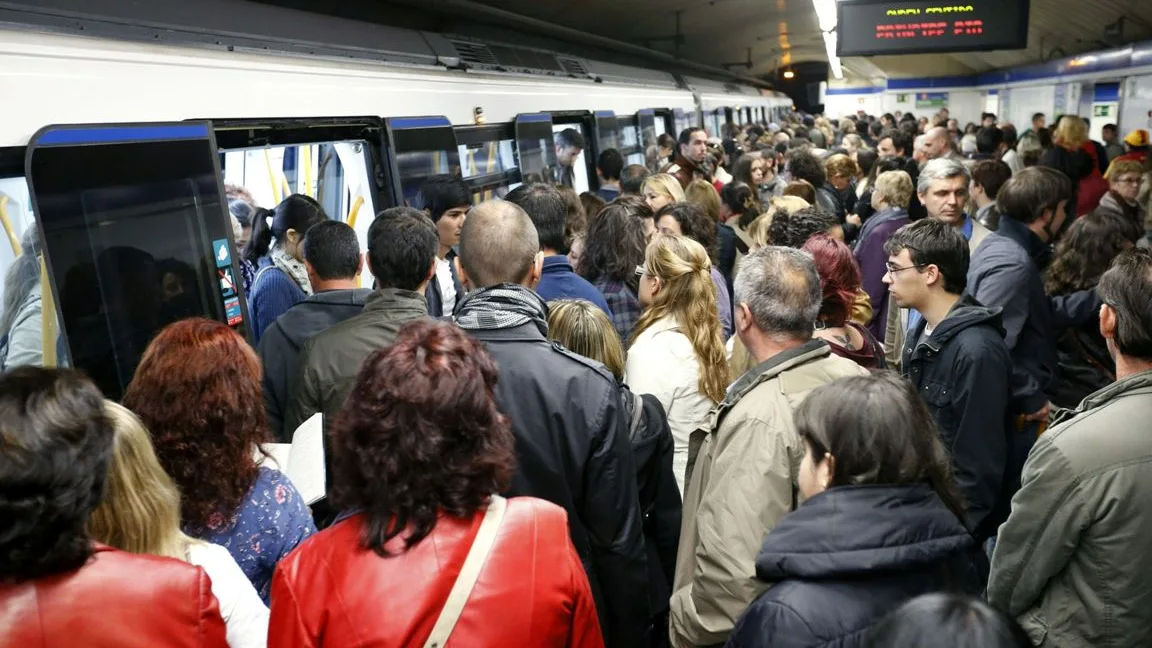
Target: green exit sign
(901, 98)
(1101, 111)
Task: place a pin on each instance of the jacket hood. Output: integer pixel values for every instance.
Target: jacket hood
(320, 307)
(967, 313)
(853, 530)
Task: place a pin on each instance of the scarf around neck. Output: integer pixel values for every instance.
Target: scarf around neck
(502, 306)
(291, 267)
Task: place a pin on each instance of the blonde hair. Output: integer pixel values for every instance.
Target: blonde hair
(140, 512)
(1071, 133)
(583, 328)
(1120, 167)
(895, 187)
(664, 184)
(758, 229)
(841, 165)
(702, 194)
(689, 296)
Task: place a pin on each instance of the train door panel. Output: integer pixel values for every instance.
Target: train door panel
(1135, 104)
(630, 139)
(646, 120)
(488, 159)
(536, 148)
(579, 170)
(607, 130)
(135, 236)
(416, 149)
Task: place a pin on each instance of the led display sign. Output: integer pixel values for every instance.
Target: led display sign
(869, 27)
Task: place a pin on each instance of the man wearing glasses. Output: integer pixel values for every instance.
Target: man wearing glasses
(957, 360)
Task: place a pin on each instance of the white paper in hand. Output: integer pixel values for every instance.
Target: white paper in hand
(302, 460)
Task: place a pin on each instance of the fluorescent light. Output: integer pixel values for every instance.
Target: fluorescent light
(833, 60)
(789, 74)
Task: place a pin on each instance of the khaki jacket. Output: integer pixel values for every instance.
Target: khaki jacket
(1073, 559)
(741, 480)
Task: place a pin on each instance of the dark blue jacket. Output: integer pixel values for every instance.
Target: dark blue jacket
(273, 293)
(432, 292)
(964, 373)
(1005, 274)
(558, 281)
(279, 348)
(850, 555)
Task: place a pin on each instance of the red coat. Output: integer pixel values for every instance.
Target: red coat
(532, 590)
(116, 600)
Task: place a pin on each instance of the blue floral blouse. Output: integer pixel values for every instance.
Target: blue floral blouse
(271, 521)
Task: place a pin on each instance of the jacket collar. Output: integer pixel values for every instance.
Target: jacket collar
(965, 313)
(1018, 233)
(1102, 397)
(557, 264)
(879, 218)
(351, 297)
(527, 332)
(813, 349)
(396, 300)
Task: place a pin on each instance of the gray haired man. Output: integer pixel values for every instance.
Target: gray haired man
(943, 189)
(742, 467)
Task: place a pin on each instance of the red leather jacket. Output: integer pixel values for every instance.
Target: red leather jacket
(532, 590)
(117, 599)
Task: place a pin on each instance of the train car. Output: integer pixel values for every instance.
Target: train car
(114, 154)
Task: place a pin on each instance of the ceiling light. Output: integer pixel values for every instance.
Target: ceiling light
(826, 14)
(833, 60)
(789, 74)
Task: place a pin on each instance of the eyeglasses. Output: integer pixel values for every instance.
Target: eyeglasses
(894, 269)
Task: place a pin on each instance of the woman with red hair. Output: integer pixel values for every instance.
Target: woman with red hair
(420, 452)
(197, 390)
(840, 282)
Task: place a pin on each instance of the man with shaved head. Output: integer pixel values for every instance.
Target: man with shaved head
(939, 144)
(566, 413)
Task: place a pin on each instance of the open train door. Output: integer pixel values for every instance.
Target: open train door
(536, 149)
(135, 236)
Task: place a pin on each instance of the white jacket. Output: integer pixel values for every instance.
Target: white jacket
(245, 615)
(662, 362)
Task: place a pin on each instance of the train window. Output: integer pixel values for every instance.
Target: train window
(135, 235)
(648, 146)
(607, 130)
(486, 158)
(29, 320)
(422, 147)
(536, 149)
(573, 171)
(630, 140)
(682, 120)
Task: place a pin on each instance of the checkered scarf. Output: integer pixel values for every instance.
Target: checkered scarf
(502, 306)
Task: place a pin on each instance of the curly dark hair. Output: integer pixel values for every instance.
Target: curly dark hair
(794, 230)
(198, 391)
(421, 434)
(55, 446)
(694, 224)
(1086, 252)
(615, 242)
(806, 166)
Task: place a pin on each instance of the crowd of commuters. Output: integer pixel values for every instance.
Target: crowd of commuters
(812, 383)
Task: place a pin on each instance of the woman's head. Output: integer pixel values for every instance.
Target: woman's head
(615, 242)
(686, 219)
(702, 194)
(841, 171)
(749, 170)
(1124, 178)
(583, 328)
(420, 435)
(592, 206)
(1071, 133)
(287, 225)
(140, 512)
(22, 276)
(839, 277)
(871, 430)
(947, 621)
(892, 189)
(197, 389)
(575, 219)
(662, 189)
(55, 445)
(739, 199)
(677, 283)
(801, 189)
(245, 213)
(1087, 250)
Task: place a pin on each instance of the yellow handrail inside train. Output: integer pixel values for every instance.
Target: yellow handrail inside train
(355, 211)
(306, 168)
(272, 182)
(47, 318)
(12, 238)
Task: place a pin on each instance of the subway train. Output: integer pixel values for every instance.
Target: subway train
(114, 153)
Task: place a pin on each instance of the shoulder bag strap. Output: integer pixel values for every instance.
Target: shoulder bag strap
(469, 574)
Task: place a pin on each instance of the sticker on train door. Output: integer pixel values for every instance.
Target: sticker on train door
(232, 311)
(223, 253)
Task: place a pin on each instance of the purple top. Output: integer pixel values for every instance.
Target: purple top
(872, 258)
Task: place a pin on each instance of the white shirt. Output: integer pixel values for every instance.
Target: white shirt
(447, 286)
(1012, 159)
(245, 615)
(663, 363)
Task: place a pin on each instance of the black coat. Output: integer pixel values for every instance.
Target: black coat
(850, 555)
(572, 448)
(964, 373)
(660, 501)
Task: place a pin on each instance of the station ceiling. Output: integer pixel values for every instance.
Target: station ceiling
(783, 32)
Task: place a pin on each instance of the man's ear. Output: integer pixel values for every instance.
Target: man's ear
(537, 270)
(1107, 322)
(463, 276)
(359, 265)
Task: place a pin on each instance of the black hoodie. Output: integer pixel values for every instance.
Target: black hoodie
(964, 373)
(280, 346)
(848, 556)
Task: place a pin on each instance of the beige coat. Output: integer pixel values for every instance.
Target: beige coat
(741, 480)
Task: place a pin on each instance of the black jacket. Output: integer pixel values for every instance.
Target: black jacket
(850, 555)
(1005, 273)
(660, 502)
(964, 373)
(280, 346)
(573, 449)
(1085, 365)
(435, 299)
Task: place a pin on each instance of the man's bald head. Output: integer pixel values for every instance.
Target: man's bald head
(498, 244)
(937, 142)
